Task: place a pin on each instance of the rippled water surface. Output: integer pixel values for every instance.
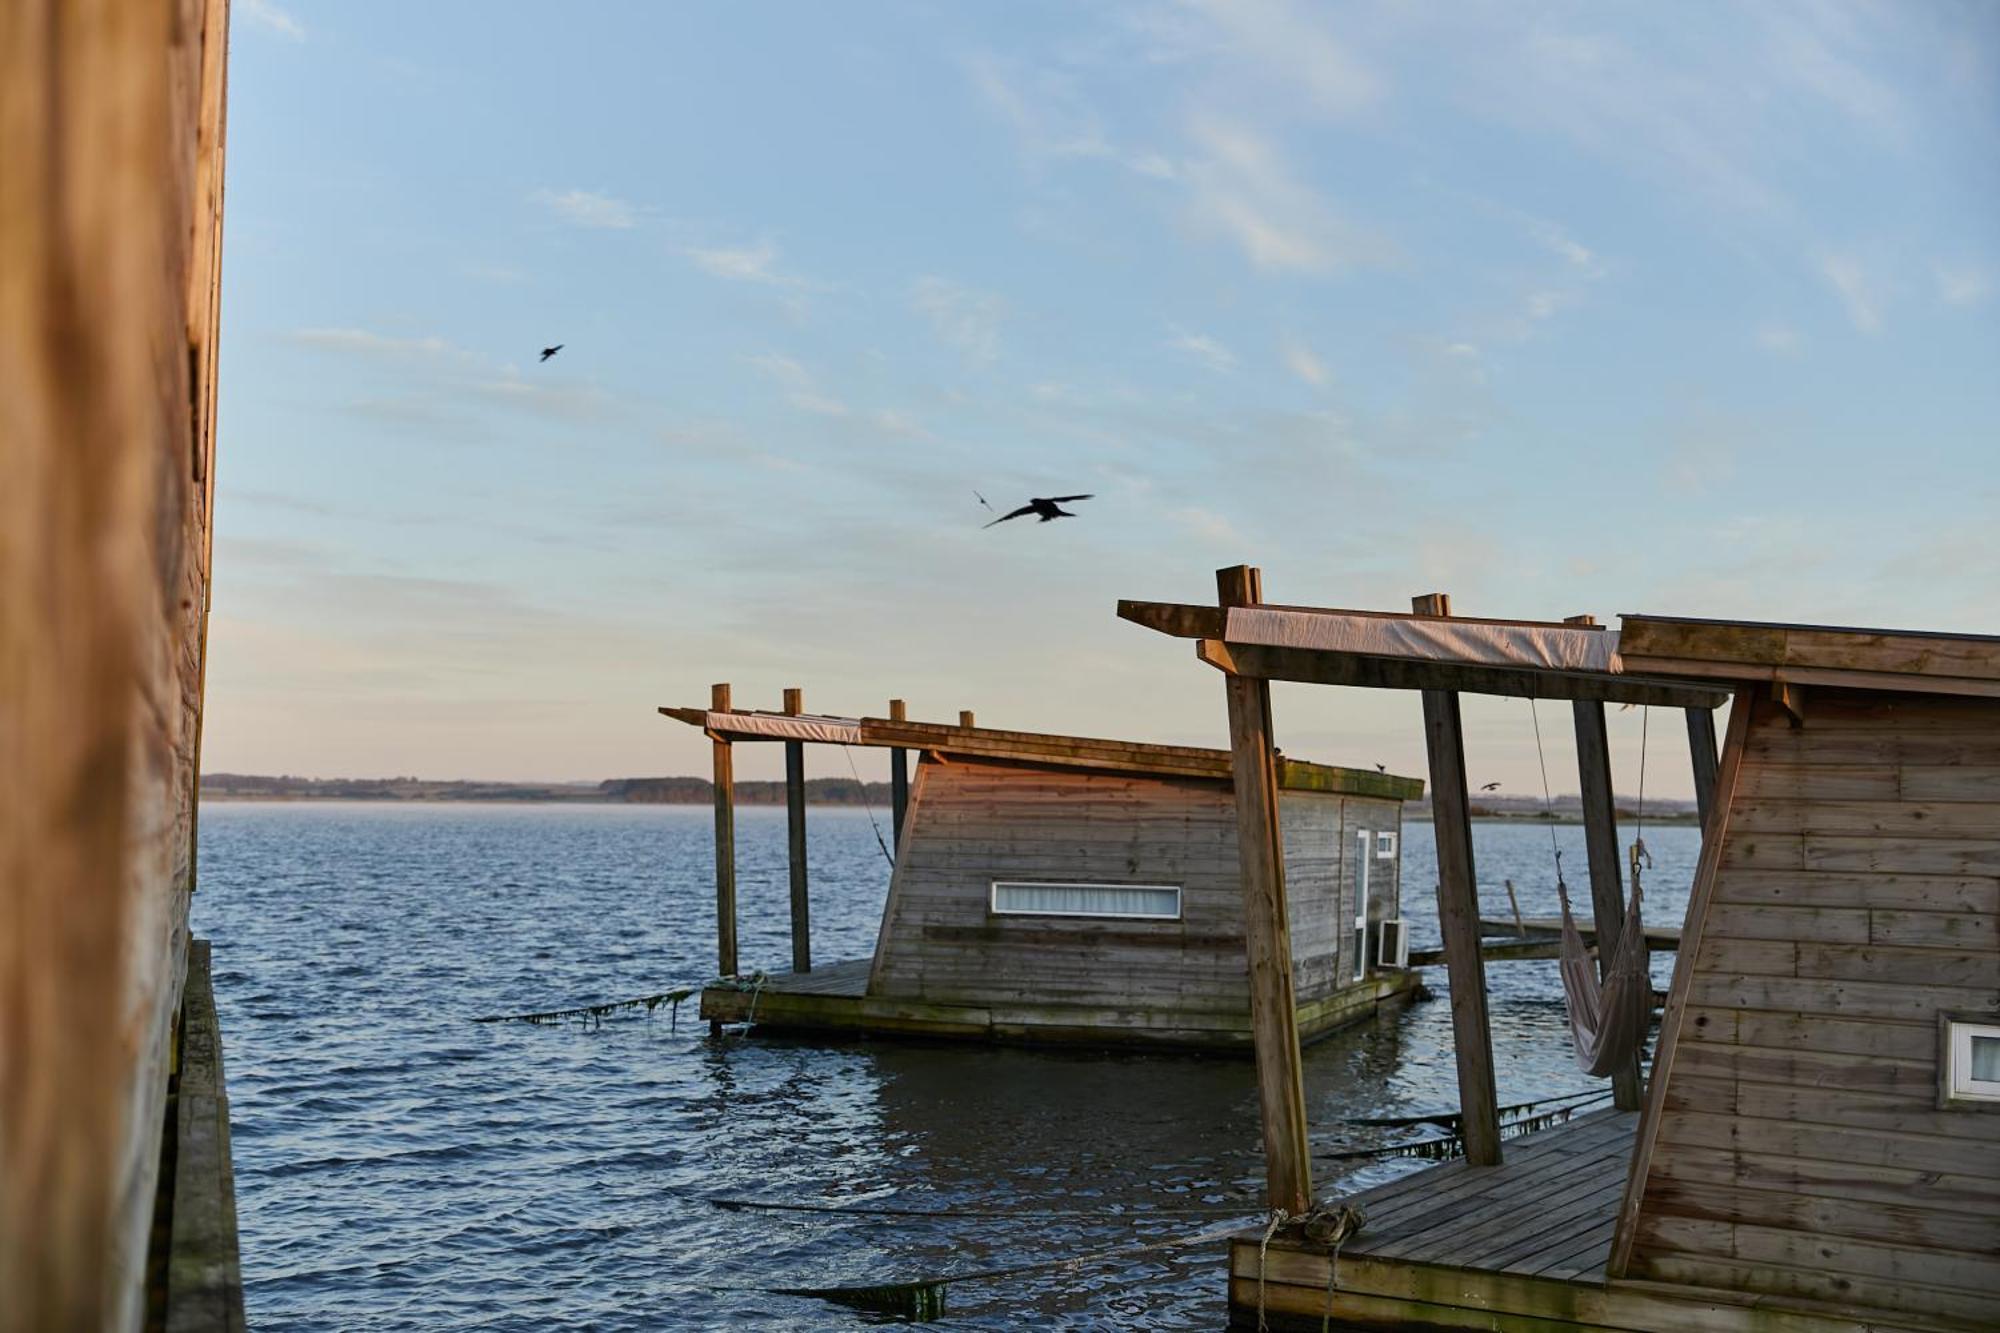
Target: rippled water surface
(399, 1166)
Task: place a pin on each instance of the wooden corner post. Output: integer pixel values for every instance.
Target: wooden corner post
(1607, 885)
(725, 845)
(1267, 935)
(1701, 749)
(899, 777)
(1458, 915)
(795, 811)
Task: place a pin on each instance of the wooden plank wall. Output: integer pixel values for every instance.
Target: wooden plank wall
(973, 822)
(1799, 1150)
(111, 128)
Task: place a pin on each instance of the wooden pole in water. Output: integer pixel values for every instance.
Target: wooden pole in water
(1274, 1018)
(795, 811)
(725, 846)
(899, 776)
(1458, 915)
(1701, 748)
(1600, 840)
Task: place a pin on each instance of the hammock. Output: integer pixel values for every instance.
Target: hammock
(1608, 1022)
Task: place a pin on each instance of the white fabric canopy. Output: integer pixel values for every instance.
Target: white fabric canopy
(804, 727)
(1546, 647)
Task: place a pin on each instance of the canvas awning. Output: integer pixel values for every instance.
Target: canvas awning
(787, 726)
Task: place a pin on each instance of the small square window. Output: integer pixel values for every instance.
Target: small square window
(1385, 846)
(1969, 1060)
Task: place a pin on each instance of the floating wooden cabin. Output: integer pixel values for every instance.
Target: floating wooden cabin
(1064, 889)
(1818, 1146)
(116, 1202)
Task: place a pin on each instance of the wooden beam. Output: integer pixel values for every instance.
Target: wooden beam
(965, 718)
(1316, 667)
(1714, 834)
(1701, 749)
(1458, 916)
(899, 777)
(725, 846)
(795, 851)
(1600, 840)
(1266, 927)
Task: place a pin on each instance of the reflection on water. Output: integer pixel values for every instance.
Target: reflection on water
(401, 1167)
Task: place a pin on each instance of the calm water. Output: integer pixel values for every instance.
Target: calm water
(401, 1167)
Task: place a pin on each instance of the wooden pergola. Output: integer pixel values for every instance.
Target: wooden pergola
(1253, 642)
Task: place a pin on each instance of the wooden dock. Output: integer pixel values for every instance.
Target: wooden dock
(833, 998)
(1539, 937)
(1511, 1248)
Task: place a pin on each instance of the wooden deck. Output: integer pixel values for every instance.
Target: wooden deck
(832, 999)
(1504, 941)
(1516, 1248)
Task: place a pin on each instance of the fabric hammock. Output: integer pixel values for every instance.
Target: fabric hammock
(1607, 1021)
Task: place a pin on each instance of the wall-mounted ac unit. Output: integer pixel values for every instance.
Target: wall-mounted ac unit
(1393, 945)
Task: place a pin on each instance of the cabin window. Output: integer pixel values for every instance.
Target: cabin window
(1970, 1065)
(1385, 847)
(1137, 902)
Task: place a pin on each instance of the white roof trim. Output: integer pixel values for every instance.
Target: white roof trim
(1547, 648)
(783, 726)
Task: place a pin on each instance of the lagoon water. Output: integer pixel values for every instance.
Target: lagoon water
(400, 1167)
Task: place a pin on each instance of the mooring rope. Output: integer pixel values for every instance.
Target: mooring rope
(1278, 1218)
(598, 1011)
(1042, 1214)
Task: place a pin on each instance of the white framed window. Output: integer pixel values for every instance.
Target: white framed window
(1385, 846)
(1131, 902)
(1969, 1060)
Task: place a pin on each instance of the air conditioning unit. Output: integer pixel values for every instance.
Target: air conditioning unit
(1393, 945)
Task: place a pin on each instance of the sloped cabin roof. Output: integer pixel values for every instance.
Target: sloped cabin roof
(1036, 747)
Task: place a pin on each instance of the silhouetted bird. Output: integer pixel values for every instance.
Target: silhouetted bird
(548, 352)
(982, 500)
(1043, 505)
(1381, 768)
(1491, 786)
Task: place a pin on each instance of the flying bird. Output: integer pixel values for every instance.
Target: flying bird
(982, 500)
(1491, 786)
(1381, 768)
(548, 352)
(1043, 505)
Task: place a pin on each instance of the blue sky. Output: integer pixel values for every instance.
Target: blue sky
(1682, 309)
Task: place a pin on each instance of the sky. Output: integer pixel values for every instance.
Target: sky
(1678, 309)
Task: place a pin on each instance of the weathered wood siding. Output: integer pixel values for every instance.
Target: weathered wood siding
(1798, 1149)
(111, 120)
(971, 823)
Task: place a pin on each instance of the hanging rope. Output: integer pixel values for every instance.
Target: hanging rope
(1548, 802)
(1638, 852)
(887, 855)
(596, 1012)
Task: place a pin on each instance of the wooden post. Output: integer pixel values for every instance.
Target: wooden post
(1600, 839)
(965, 717)
(1458, 915)
(899, 776)
(795, 810)
(1701, 748)
(1267, 938)
(725, 846)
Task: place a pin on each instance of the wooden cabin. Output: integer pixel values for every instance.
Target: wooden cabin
(116, 1205)
(1065, 889)
(1817, 1142)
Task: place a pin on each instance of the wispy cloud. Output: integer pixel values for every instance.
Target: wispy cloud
(1241, 187)
(1303, 362)
(1861, 294)
(589, 208)
(800, 385)
(1290, 44)
(1966, 284)
(1208, 525)
(966, 318)
(266, 14)
(1778, 339)
(745, 263)
(1050, 122)
(367, 342)
(1202, 348)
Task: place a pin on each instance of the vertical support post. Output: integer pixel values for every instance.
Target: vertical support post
(1267, 937)
(899, 776)
(725, 845)
(1607, 885)
(795, 811)
(1701, 748)
(1458, 915)
(965, 718)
